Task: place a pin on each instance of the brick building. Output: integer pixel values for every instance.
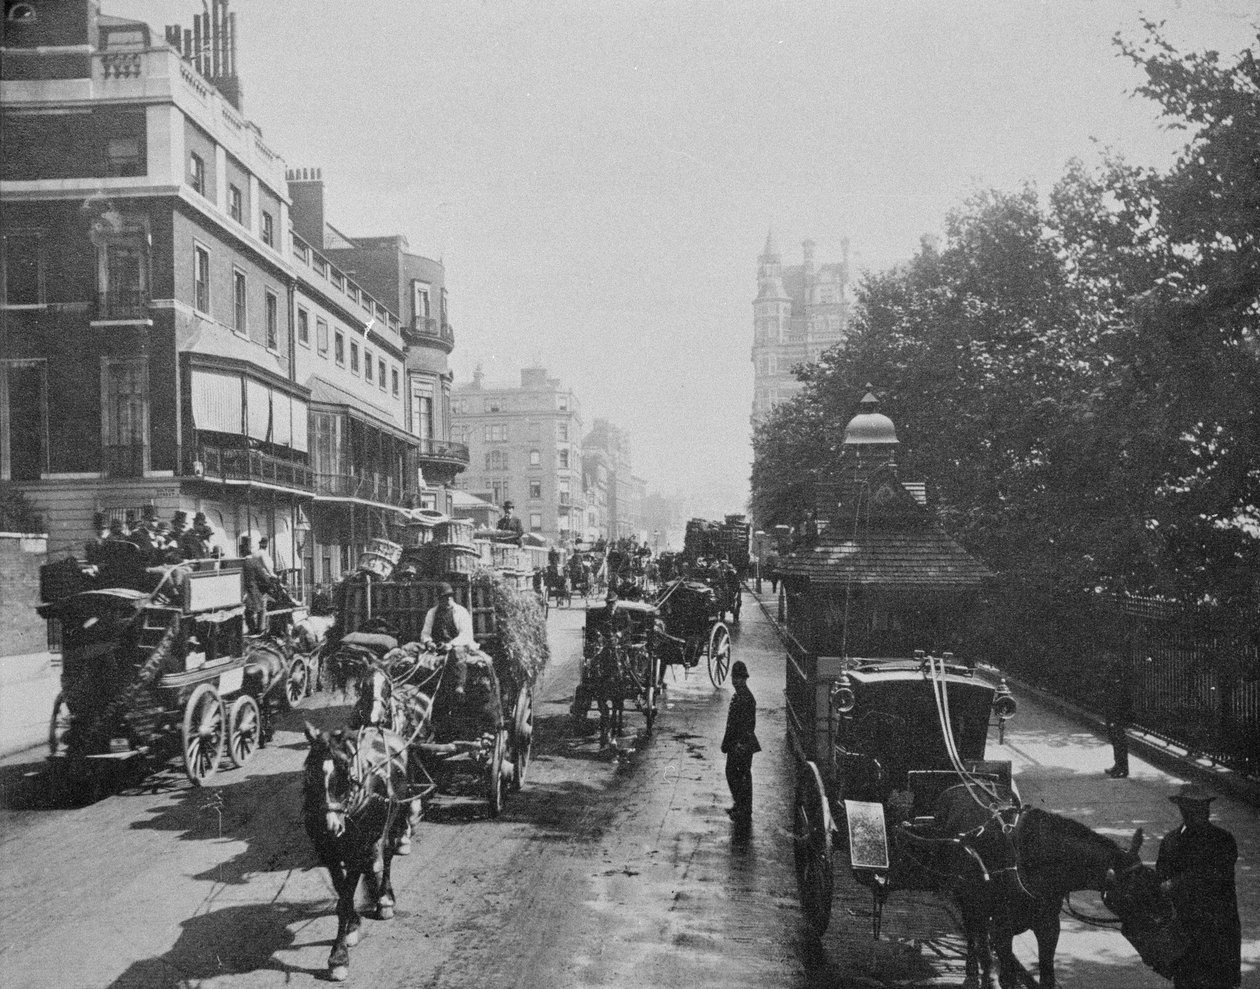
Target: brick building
(799, 312)
(524, 445)
(160, 324)
(609, 446)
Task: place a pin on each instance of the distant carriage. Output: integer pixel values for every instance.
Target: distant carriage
(693, 630)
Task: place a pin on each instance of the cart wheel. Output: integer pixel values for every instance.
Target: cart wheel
(203, 733)
(719, 652)
(522, 735)
(494, 775)
(653, 691)
(811, 835)
(297, 683)
(244, 730)
(58, 725)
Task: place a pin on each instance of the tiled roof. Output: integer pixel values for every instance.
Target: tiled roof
(916, 557)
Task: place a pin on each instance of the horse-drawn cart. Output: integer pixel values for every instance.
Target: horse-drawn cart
(464, 711)
(694, 630)
(142, 664)
(620, 662)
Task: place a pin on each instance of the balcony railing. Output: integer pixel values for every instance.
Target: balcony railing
(367, 487)
(124, 460)
(234, 464)
(126, 302)
(447, 451)
(429, 330)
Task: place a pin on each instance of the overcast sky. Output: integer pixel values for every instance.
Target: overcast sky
(599, 176)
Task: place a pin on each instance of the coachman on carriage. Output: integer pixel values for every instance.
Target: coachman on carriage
(891, 740)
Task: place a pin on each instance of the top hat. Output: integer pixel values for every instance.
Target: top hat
(738, 669)
(150, 512)
(199, 517)
(445, 590)
(131, 518)
(115, 525)
(180, 516)
(1192, 793)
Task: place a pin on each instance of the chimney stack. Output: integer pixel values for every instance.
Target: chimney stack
(211, 47)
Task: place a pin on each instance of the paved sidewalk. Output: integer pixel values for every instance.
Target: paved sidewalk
(28, 687)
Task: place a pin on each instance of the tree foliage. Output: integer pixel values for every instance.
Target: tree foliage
(1076, 375)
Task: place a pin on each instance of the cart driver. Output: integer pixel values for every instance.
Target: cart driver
(448, 628)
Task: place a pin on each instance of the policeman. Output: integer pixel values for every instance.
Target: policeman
(1196, 869)
(740, 744)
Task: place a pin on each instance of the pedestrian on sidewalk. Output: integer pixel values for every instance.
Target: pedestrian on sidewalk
(1196, 868)
(1119, 714)
(740, 744)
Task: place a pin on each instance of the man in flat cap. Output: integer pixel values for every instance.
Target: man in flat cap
(740, 744)
(448, 627)
(1196, 869)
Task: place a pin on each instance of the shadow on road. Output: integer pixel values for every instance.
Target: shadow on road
(232, 941)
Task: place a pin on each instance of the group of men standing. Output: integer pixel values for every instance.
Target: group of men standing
(158, 541)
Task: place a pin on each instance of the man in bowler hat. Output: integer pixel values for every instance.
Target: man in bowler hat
(740, 744)
(1196, 869)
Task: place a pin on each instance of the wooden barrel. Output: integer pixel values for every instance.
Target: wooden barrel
(454, 532)
(377, 565)
(455, 559)
(383, 547)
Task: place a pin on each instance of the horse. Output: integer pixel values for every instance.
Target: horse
(401, 708)
(350, 784)
(609, 683)
(1033, 859)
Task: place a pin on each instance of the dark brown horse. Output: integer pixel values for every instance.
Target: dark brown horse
(351, 787)
(609, 682)
(1031, 860)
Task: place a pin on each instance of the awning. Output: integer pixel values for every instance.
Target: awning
(216, 401)
(225, 402)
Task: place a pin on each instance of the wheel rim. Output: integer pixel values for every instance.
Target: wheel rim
(719, 654)
(203, 734)
(524, 730)
(245, 730)
(496, 777)
(295, 686)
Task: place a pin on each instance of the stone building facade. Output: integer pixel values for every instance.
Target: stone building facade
(524, 446)
(161, 310)
(799, 312)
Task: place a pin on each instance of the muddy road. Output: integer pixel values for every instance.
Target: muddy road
(608, 869)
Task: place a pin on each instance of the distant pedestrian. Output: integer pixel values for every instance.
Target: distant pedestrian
(772, 571)
(740, 744)
(1119, 714)
(1196, 869)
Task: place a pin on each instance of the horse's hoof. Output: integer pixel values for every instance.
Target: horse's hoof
(404, 847)
(338, 973)
(352, 938)
(385, 911)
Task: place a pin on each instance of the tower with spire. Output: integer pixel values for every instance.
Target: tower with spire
(798, 313)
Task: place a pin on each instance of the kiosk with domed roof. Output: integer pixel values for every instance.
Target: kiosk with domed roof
(883, 715)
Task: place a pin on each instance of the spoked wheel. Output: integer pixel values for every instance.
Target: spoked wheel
(522, 735)
(494, 775)
(203, 733)
(58, 726)
(719, 653)
(244, 730)
(811, 836)
(653, 691)
(297, 682)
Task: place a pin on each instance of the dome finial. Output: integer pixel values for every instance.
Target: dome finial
(869, 427)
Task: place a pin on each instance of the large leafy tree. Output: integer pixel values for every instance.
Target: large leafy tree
(1078, 377)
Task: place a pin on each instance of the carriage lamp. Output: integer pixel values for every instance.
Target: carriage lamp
(1004, 704)
(842, 697)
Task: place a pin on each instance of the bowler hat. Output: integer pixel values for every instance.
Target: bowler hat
(1192, 793)
(738, 669)
(507, 505)
(445, 590)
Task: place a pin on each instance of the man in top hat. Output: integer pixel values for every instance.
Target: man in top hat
(141, 532)
(194, 544)
(509, 522)
(740, 744)
(1196, 869)
(448, 627)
